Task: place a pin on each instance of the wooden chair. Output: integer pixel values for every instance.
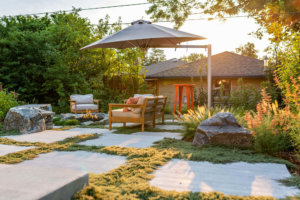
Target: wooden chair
(160, 108)
(143, 113)
(83, 104)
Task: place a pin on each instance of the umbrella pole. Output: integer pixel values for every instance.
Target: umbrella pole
(209, 76)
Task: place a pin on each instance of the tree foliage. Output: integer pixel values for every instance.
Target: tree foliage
(247, 49)
(269, 14)
(40, 58)
(192, 57)
(154, 56)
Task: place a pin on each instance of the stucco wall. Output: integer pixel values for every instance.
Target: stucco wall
(166, 87)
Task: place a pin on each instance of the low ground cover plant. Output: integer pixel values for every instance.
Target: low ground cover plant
(58, 122)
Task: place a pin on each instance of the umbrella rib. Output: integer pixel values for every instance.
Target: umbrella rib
(130, 43)
(148, 43)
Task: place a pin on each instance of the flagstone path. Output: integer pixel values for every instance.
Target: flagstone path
(6, 149)
(55, 175)
(58, 175)
(239, 178)
(50, 136)
(138, 140)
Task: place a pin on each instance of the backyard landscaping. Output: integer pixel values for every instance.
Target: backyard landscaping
(85, 124)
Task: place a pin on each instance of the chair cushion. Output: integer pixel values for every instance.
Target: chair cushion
(143, 95)
(129, 114)
(82, 99)
(140, 102)
(86, 107)
(131, 100)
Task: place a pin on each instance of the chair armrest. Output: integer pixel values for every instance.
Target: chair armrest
(96, 100)
(111, 105)
(72, 101)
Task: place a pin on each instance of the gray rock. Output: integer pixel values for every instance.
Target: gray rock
(87, 123)
(222, 129)
(29, 118)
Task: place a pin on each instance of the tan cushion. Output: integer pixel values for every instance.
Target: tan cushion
(82, 99)
(140, 102)
(129, 114)
(85, 107)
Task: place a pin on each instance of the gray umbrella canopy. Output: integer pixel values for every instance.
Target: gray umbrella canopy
(144, 34)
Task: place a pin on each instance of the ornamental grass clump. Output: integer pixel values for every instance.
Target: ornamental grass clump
(192, 119)
(277, 129)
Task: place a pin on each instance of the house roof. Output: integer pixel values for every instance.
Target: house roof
(225, 64)
(163, 66)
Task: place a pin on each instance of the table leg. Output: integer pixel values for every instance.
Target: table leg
(180, 99)
(175, 102)
(187, 91)
(192, 98)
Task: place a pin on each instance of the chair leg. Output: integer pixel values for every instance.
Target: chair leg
(124, 124)
(143, 127)
(109, 126)
(163, 119)
(153, 123)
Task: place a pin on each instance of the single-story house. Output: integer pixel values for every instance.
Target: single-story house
(227, 68)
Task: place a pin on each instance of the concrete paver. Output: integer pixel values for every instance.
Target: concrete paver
(50, 136)
(56, 175)
(170, 127)
(6, 149)
(138, 140)
(240, 178)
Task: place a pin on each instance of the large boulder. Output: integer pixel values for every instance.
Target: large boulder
(29, 118)
(222, 129)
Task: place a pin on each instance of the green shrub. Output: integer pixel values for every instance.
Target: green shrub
(7, 101)
(200, 97)
(167, 109)
(71, 122)
(57, 121)
(246, 96)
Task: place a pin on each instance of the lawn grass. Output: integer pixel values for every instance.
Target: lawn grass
(216, 154)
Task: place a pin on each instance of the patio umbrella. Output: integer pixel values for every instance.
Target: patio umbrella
(144, 34)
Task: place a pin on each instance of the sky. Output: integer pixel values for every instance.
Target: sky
(223, 36)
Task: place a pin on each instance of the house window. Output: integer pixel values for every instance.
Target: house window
(221, 87)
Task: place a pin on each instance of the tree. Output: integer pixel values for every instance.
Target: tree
(277, 17)
(40, 59)
(192, 57)
(247, 50)
(154, 56)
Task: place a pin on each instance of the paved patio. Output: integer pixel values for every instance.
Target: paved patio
(61, 174)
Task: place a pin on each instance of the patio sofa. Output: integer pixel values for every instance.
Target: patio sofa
(148, 109)
(83, 103)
